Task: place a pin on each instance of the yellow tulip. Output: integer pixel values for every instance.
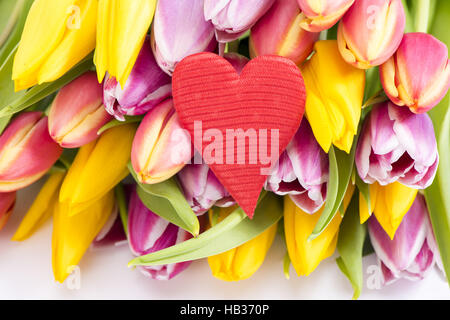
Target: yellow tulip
(389, 203)
(298, 225)
(334, 96)
(98, 167)
(73, 234)
(122, 27)
(41, 209)
(243, 261)
(57, 35)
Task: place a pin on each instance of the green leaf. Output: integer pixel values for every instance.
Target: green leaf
(39, 92)
(350, 246)
(9, 15)
(341, 166)
(116, 123)
(231, 232)
(437, 195)
(122, 204)
(167, 201)
(364, 190)
(7, 93)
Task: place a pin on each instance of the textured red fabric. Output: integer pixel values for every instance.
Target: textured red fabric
(269, 94)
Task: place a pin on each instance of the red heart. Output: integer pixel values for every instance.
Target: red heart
(268, 94)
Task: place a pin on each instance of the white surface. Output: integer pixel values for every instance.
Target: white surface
(26, 273)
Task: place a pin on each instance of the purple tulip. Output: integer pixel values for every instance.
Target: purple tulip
(179, 30)
(397, 145)
(232, 18)
(302, 171)
(146, 87)
(149, 233)
(412, 253)
(202, 189)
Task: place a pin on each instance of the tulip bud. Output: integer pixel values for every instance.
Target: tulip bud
(408, 255)
(122, 27)
(27, 151)
(302, 171)
(202, 189)
(307, 254)
(371, 31)
(335, 92)
(278, 32)
(57, 35)
(161, 148)
(232, 18)
(180, 30)
(418, 74)
(146, 86)
(320, 15)
(73, 234)
(7, 202)
(149, 233)
(77, 113)
(242, 262)
(98, 167)
(397, 145)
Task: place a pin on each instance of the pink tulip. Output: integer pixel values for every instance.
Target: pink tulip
(179, 30)
(161, 148)
(302, 171)
(27, 151)
(149, 233)
(370, 32)
(202, 189)
(278, 32)
(320, 15)
(418, 74)
(397, 145)
(77, 113)
(7, 202)
(146, 87)
(232, 18)
(409, 255)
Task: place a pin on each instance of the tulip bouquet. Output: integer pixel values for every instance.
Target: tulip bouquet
(86, 100)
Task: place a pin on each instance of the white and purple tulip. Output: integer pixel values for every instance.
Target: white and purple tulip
(180, 30)
(413, 251)
(232, 18)
(149, 233)
(397, 145)
(202, 189)
(302, 171)
(145, 88)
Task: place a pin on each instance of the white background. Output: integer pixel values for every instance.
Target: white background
(26, 273)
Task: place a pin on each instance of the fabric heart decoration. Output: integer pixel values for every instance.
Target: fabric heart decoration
(240, 124)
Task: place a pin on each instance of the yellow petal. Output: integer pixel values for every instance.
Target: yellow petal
(41, 209)
(44, 29)
(129, 23)
(364, 211)
(98, 168)
(103, 25)
(335, 92)
(72, 235)
(393, 202)
(78, 42)
(306, 255)
(241, 262)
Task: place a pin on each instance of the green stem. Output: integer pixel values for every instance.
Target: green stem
(422, 15)
(123, 211)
